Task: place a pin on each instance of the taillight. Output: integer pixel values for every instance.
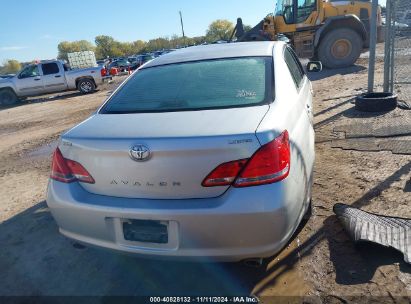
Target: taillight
(269, 164)
(103, 72)
(68, 171)
(224, 174)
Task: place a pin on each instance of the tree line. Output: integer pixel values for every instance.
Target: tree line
(106, 46)
(10, 66)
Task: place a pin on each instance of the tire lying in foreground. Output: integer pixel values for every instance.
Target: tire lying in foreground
(387, 231)
(376, 102)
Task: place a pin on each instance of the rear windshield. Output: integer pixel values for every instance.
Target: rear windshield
(211, 84)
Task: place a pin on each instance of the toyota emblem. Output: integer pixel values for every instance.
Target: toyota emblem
(139, 153)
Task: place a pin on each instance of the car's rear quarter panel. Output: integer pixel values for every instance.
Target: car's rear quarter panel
(288, 112)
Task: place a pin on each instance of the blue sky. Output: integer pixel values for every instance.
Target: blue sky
(32, 29)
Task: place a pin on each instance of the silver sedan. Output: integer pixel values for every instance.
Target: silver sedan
(204, 152)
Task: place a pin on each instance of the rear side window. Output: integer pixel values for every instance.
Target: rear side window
(210, 84)
(294, 66)
(50, 68)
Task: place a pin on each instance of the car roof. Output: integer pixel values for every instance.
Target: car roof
(216, 51)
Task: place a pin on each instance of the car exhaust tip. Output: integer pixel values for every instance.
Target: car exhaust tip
(254, 262)
(388, 231)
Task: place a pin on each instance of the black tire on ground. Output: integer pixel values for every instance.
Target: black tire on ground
(86, 86)
(340, 48)
(8, 97)
(376, 102)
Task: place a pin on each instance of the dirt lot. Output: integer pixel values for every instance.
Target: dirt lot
(320, 263)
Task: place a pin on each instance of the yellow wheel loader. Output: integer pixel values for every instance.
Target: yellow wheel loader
(333, 32)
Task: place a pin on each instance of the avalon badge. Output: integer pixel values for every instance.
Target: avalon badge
(139, 153)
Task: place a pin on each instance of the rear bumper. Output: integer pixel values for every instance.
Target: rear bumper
(242, 223)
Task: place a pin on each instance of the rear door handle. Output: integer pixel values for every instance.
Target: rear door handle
(57, 76)
(37, 79)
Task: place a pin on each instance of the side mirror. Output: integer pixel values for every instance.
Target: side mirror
(314, 66)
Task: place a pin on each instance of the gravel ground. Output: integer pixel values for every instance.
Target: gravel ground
(320, 263)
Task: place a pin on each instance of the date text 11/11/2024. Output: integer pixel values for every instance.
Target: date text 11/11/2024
(205, 299)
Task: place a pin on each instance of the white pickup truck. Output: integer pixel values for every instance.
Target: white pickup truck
(49, 77)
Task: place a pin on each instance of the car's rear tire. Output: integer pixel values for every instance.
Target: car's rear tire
(8, 97)
(309, 211)
(86, 86)
(340, 48)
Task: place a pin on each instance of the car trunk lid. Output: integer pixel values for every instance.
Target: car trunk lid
(184, 148)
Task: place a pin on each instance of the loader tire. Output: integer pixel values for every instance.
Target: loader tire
(8, 97)
(340, 48)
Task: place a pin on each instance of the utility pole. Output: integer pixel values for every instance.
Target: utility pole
(373, 42)
(182, 28)
(387, 47)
